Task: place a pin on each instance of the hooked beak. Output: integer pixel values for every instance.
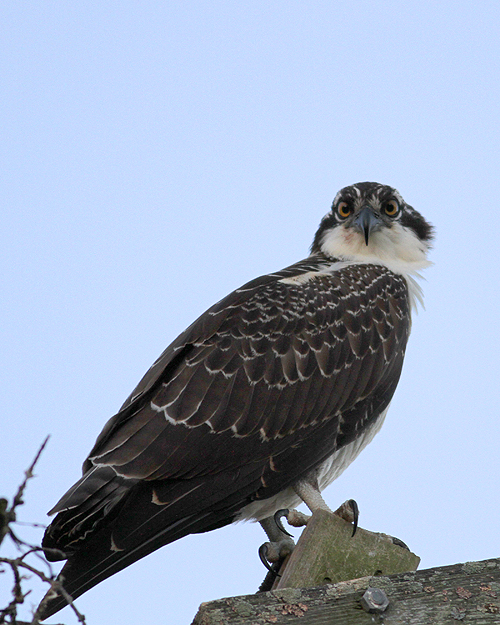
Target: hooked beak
(367, 222)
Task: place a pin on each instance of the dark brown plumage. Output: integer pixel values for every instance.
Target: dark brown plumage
(258, 392)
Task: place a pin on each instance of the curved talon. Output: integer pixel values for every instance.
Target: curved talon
(278, 515)
(263, 558)
(355, 514)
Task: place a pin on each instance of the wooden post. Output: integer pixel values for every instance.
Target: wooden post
(450, 595)
(328, 553)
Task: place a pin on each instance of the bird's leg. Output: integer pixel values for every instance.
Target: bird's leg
(281, 542)
(278, 547)
(309, 492)
(273, 553)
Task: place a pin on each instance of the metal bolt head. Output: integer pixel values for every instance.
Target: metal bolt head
(374, 600)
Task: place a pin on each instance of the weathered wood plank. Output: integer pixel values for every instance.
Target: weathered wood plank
(328, 553)
(462, 593)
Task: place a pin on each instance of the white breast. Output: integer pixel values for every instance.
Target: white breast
(338, 462)
(330, 470)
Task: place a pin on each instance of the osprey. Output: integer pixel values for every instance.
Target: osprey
(260, 404)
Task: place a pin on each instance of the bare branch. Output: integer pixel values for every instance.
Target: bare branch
(6, 517)
(19, 564)
(18, 498)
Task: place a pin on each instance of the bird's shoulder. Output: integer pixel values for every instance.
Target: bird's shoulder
(250, 308)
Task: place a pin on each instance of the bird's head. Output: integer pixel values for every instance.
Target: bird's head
(370, 222)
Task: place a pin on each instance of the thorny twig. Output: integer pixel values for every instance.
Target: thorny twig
(17, 565)
(28, 474)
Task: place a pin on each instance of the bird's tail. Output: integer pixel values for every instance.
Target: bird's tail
(152, 515)
(94, 563)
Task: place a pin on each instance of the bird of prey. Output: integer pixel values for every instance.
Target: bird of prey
(260, 404)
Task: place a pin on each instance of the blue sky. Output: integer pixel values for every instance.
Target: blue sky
(156, 155)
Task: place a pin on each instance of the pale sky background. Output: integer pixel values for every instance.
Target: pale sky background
(157, 155)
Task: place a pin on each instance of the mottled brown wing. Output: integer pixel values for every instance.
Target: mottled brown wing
(271, 359)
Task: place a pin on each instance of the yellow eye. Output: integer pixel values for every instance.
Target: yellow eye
(343, 210)
(391, 208)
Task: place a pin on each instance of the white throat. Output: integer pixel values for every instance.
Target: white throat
(397, 248)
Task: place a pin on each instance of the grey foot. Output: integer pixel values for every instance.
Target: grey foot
(274, 552)
(280, 545)
(295, 518)
(348, 511)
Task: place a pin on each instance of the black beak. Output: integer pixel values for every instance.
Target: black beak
(367, 222)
